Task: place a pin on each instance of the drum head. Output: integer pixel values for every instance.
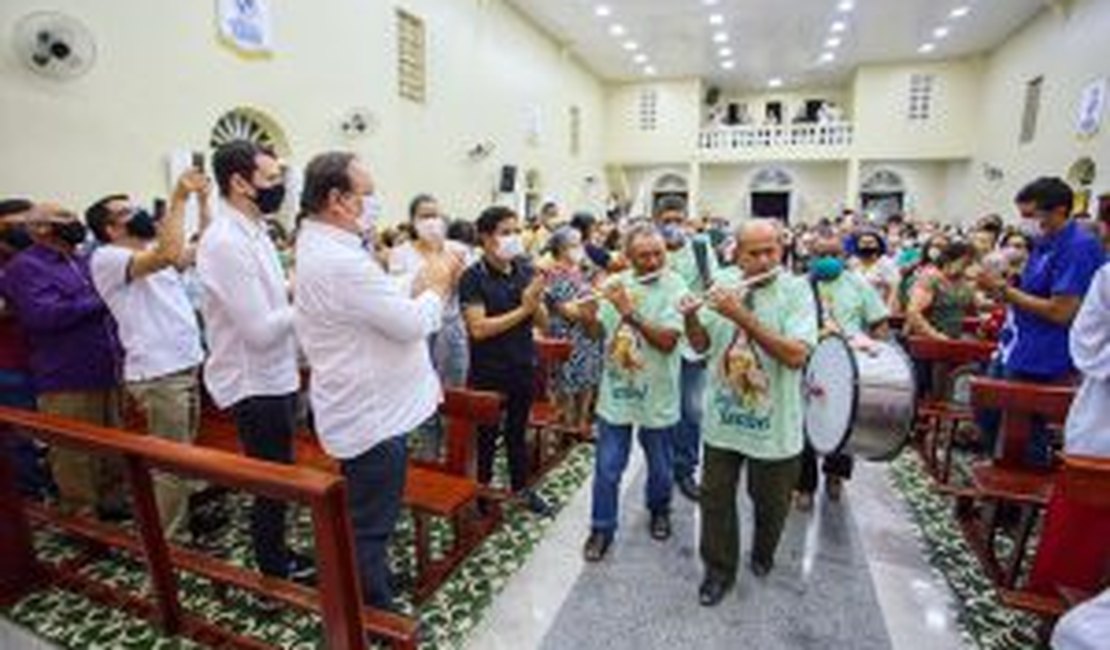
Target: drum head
(830, 390)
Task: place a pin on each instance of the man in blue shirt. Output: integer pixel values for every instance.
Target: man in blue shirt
(1034, 342)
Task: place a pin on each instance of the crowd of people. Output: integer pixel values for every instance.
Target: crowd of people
(684, 331)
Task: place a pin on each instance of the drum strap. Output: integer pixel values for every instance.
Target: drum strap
(817, 299)
(701, 258)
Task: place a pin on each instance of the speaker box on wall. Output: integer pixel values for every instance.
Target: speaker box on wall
(508, 179)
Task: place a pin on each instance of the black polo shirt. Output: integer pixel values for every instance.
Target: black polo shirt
(511, 354)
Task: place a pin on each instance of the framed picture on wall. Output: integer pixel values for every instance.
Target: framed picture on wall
(1092, 104)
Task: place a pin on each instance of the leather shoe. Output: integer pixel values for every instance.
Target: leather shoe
(660, 526)
(689, 488)
(712, 591)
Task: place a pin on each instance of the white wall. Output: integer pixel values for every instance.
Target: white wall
(818, 190)
(932, 187)
(881, 100)
(162, 80)
(1069, 52)
(676, 137)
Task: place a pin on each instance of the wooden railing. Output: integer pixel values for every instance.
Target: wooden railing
(337, 599)
(786, 136)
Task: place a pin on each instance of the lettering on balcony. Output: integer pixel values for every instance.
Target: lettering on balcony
(786, 136)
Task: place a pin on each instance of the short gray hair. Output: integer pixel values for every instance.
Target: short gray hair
(639, 230)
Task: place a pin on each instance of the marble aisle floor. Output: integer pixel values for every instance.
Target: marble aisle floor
(849, 575)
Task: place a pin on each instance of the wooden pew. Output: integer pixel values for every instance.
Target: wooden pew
(545, 420)
(444, 488)
(1007, 478)
(938, 414)
(338, 599)
(1083, 480)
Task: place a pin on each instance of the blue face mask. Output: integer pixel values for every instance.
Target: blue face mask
(826, 267)
(673, 235)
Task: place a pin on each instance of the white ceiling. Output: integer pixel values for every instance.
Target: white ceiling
(771, 38)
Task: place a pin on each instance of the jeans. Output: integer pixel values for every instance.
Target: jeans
(517, 390)
(266, 425)
(614, 442)
(769, 486)
(375, 485)
(687, 443)
(1038, 453)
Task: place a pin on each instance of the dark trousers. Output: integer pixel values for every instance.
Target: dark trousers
(375, 484)
(266, 425)
(27, 456)
(517, 389)
(1038, 452)
(839, 465)
(769, 485)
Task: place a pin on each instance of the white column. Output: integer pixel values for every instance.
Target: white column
(693, 188)
(851, 189)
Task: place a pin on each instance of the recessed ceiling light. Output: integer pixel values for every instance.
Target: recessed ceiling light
(602, 10)
(640, 58)
(716, 19)
(775, 83)
(649, 70)
(940, 32)
(728, 65)
(828, 57)
(710, 3)
(616, 30)
(846, 5)
(838, 26)
(959, 12)
(725, 51)
(926, 48)
(720, 37)
(631, 46)
(833, 42)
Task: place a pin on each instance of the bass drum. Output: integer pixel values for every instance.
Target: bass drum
(859, 401)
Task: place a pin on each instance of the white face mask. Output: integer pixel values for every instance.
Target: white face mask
(1030, 227)
(431, 230)
(509, 247)
(371, 212)
(576, 255)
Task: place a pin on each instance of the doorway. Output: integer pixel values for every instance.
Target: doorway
(772, 205)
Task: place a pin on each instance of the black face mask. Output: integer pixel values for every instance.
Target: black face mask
(141, 226)
(269, 199)
(17, 238)
(73, 233)
(868, 252)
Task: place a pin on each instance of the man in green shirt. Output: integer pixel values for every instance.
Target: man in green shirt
(756, 341)
(639, 385)
(692, 257)
(850, 306)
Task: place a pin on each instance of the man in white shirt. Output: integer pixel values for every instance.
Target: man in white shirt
(365, 336)
(252, 363)
(136, 273)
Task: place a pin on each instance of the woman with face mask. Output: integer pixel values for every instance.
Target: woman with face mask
(930, 254)
(941, 296)
(407, 259)
(871, 261)
(570, 302)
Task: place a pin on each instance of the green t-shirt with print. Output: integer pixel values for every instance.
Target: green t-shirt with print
(851, 302)
(639, 383)
(753, 403)
(684, 262)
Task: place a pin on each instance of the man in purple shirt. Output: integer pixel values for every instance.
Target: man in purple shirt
(74, 354)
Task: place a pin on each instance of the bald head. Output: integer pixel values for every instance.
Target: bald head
(758, 246)
(757, 231)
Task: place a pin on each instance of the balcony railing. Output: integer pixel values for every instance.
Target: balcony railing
(724, 139)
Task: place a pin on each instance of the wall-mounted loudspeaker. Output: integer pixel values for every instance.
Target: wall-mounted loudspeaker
(508, 179)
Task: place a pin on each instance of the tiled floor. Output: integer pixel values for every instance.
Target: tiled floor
(849, 575)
